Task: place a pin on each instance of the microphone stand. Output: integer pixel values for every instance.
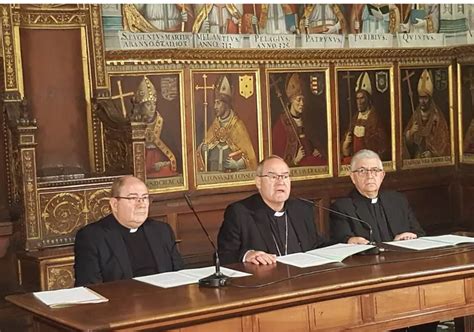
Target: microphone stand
(217, 279)
(372, 251)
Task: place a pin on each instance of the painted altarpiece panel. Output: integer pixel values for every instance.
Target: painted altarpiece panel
(299, 120)
(466, 112)
(365, 114)
(227, 127)
(159, 97)
(426, 116)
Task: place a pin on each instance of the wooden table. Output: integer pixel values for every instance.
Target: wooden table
(365, 293)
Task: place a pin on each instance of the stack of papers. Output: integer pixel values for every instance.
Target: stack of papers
(186, 277)
(431, 242)
(331, 254)
(66, 297)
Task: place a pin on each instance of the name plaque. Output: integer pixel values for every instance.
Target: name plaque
(370, 40)
(272, 41)
(213, 40)
(322, 41)
(420, 39)
(153, 40)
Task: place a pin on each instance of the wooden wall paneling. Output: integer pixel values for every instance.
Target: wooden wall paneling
(431, 206)
(466, 201)
(194, 243)
(54, 80)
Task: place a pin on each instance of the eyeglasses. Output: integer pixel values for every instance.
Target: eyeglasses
(135, 199)
(273, 177)
(365, 171)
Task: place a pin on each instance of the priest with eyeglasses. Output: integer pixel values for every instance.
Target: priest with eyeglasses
(387, 212)
(126, 243)
(268, 224)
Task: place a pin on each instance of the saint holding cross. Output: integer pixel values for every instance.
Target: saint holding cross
(227, 146)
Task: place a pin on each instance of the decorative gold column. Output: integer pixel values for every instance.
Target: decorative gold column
(138, 147)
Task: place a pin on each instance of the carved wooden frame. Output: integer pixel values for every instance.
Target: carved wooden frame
(389, 165)
(408, 163)
(464, 121)
(155, 74)
(315, 92)
(217, 179)
(44, 204)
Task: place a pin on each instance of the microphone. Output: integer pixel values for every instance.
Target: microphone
(365, 224)
(217, 279)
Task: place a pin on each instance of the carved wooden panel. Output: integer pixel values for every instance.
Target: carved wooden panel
(336, 313)
(63, 212)
(60, 276)
(396, 302)
(449, 293)
(289, 319)
(228, 325)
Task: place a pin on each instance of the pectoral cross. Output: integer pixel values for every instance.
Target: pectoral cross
(407, 77)
(121, 96)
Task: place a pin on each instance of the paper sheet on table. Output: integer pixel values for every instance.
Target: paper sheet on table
(326, 255)
(69, 296)
(417, 244)
(187, 276)
(432, 242)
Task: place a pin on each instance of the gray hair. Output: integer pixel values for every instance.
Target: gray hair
(364, 154)
(260, 165)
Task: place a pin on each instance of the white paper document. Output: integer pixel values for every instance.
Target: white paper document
(432, 242)
(70, 296)
(187, 276)
(331, 254)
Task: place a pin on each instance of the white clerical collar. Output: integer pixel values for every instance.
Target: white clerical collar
(279, 213)
(133, 230)
(374, 200)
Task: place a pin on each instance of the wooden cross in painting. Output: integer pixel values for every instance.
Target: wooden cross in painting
(121, 96)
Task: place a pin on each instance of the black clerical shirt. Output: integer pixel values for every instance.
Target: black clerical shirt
(382, 232)
(139, 252)
(280, 223)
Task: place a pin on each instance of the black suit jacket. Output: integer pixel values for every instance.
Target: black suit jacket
(400, 217)
(101, 254)
(246, 226)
